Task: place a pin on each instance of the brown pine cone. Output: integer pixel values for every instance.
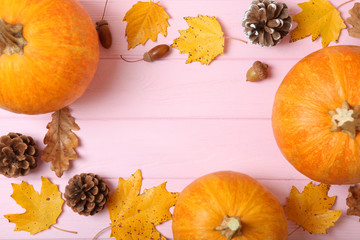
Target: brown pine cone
(266, 22)
(86, 194)
(18, 155)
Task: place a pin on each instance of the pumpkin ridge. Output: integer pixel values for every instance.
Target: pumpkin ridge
(339, 78)
(300, 93)
(56, 77)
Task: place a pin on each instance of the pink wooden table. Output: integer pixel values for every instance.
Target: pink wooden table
(175, 121)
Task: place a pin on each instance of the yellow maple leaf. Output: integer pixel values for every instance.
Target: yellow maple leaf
(134, 215)
(145, 20)
(203, 40)
(42, 209)
(318, 17)
(310, 209)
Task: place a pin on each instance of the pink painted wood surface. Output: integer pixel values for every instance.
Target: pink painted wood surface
(175, 121)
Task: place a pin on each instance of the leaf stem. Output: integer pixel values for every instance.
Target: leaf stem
(294, 231)
(106, 3)
(343, 4)
(238, 39)
(138, 60)
(101, 231)
(60, 229)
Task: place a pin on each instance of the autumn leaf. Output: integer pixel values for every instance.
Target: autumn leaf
(203, 40)
(145, 20)
(318, 17)
(60, 141)
(41, 210)
(310, 209)
(353, 201)
(354, 20)
(134, 215)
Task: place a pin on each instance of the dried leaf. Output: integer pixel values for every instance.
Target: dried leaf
(203, 40)
(310, 209)
(353, 201)
(41, 210)
(354, 20)
(145, 21)
(134, 215)
(60, 141)
(318, 17)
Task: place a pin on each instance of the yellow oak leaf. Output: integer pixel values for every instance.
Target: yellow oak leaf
(310, 209)
(203, 40)
(145, 20)
(134, 215)
(42, 209)
(60, 141)
(318, 17)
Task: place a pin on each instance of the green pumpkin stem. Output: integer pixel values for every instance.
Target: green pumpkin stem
(230, 227)
(11, 38)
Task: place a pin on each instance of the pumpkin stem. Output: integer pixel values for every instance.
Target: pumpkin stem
(11, 38)
(346, 119)
(230, 227)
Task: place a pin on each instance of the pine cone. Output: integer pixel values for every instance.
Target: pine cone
(17, 155)
(266, 22)
(86, 194)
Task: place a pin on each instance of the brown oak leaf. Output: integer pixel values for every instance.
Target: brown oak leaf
(354, 20)
(353, 201)
(60, 141)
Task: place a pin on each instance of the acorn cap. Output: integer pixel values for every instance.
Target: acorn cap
(101, 23)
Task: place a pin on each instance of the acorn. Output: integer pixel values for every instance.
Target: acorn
(257, 72)
(105, 37)
(153, 54)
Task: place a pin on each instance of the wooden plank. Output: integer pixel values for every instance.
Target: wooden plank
(192, 147)
(175, 121)
(94, 8)
(172, 89)
(87, 227)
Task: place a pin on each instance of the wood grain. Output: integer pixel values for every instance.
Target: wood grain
(87, 227)
(176, 121)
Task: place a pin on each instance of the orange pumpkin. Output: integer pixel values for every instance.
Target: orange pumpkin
(228, 205)
(316, 115)
(49, 53)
